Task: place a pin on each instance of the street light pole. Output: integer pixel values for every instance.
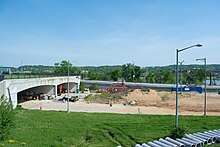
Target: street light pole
(181, 74)
(133, 75)
(204, 59)
(68, 88)
(177, 51)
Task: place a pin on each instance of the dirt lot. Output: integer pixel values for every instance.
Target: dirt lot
(151, 102)
(187, 101)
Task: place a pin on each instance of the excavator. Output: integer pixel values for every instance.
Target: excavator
(110, 89)
(121, 84)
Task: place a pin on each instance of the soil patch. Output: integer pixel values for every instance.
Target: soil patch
(187, 101)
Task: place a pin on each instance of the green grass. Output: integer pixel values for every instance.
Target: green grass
(61, 129)
(105, 97)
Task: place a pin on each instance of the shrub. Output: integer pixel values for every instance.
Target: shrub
(19, 107)
(82, 86)
(177, 132)
(6, 117)
(165, 97)
(94, 87)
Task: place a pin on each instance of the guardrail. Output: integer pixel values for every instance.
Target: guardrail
(31, 75)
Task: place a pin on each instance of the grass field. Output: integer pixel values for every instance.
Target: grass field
(61, 129)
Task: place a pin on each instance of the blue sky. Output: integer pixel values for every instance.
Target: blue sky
(108, 32)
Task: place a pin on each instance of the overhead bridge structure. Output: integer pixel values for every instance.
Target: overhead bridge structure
(11, 88)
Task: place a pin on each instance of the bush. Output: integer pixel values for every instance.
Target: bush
(177, 133)
(82, 86)
(165, 97)
(94, 87)
(6, 117)
(19, 107)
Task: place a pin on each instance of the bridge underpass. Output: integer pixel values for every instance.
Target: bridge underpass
(62, 88)
(45, 92)
(37, 93)
(16, 88)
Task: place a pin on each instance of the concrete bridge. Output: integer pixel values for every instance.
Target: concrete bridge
(11, 88)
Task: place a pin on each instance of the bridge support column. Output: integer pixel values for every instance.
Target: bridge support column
(13, 95)
(55, 91)
(14, 99)
(78, 87)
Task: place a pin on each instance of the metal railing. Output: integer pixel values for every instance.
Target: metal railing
(33, 75)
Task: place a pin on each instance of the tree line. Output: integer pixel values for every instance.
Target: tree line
(188, 74)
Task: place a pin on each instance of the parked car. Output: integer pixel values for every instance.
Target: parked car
(86, 90)
(71, 99)
(218, 91)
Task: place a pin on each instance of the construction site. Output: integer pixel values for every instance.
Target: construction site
(118, 98)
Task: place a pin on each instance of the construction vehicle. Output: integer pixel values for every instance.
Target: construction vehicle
(102, 91)
(117, 87)
(120, 85)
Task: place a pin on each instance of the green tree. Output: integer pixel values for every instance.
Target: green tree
(196, 76)
(116, 74)
(163, 76)
(130, 72)
(151, 77)
(137, 73)
(62, 68)
(168, 77)
(127, 71)
(6, 117)
(105, 76)
(93, 75)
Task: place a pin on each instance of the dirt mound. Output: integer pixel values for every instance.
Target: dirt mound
(187, 101)
(141, 98)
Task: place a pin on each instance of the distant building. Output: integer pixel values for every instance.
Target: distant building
(5, 70)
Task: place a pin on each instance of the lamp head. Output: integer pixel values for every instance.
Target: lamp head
(201, 59)
(198, 45)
